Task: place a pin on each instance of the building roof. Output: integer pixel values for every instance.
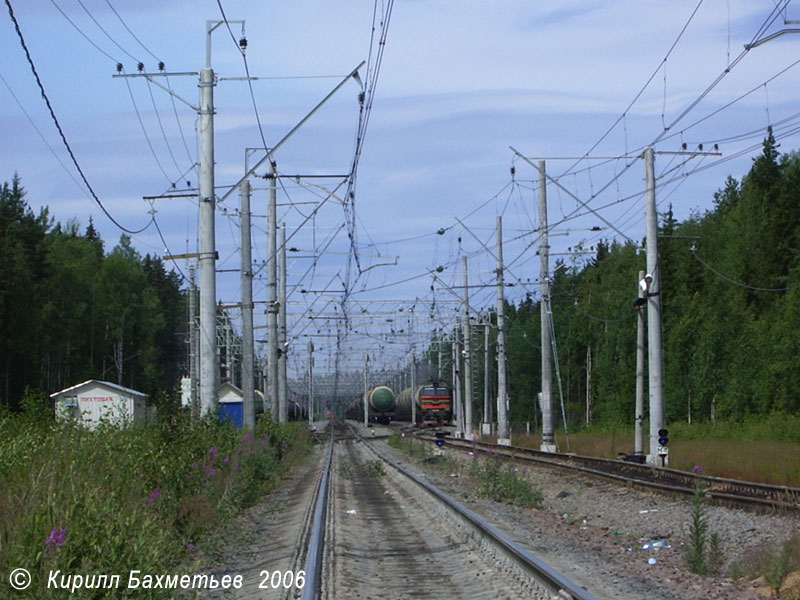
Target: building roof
(107, 384)
(228, 388)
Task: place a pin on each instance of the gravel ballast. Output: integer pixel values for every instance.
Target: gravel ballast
(594, 531)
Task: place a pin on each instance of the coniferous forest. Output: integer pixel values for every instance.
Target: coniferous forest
(70, 311)
(730, 281)
(730, 286)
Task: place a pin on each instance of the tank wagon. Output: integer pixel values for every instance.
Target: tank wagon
(382, 405)
(295, 409)
(403, 410)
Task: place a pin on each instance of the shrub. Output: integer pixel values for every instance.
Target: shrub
(111, 500)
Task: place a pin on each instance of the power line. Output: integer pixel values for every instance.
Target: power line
(78, 29)
(41, 135)
(61, 131)
(241, 45)
(738, 283)
(663, 135)
(108, 35)
(366, 99)
(128, 29)
(643, 88)
(172, 96)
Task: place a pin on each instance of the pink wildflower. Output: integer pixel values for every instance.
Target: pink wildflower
(56, 539)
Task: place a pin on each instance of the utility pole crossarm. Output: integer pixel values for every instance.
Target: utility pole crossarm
(771, 37)
(573, 196)
(149, 77)
(272, 150)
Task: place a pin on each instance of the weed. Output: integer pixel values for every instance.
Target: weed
(443, 463)
(345, 470)
(409, 446)
(782, 564)
(698, 532)
(374, 468)
(716, 555)
(771, 563)
(504, 484)
(116, 499)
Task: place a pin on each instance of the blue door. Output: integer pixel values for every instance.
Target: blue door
(233, 411)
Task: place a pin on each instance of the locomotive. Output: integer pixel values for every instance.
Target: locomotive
(382, 405)
(434, 401)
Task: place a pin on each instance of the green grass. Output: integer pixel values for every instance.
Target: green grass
(112, 500)
(765, 449)
(503, 483)
(374, 469)
(410, 446)
(495, 479)
(772, 563)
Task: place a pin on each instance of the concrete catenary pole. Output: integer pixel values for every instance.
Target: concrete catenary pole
(503, 433)
(638, 442)
(272, 295)
(440, 338)
(413, 388)
(248, 343)
(283, 391)
(311, 383)
(458, 407)
(467, 334)
(548, 444)
(209, 371)
(653, 284)
(366, 389)
(193, 345)
(486, 423)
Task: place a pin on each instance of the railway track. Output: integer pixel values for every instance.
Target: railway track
(381, 532)
(367, 530)
(276, 544)
(728, 492)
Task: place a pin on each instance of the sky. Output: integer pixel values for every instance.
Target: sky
(451, 88)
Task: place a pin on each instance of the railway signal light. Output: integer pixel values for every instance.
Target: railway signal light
(663, 440)
(440, 438)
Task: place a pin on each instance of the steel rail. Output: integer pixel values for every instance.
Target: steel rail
(720, 489)
(316, 543)
(546, 575)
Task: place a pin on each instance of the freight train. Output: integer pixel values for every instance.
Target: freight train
(296, 409)
(434, 401)
(382, 405)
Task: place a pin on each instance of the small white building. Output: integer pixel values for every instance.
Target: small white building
(94, 401)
